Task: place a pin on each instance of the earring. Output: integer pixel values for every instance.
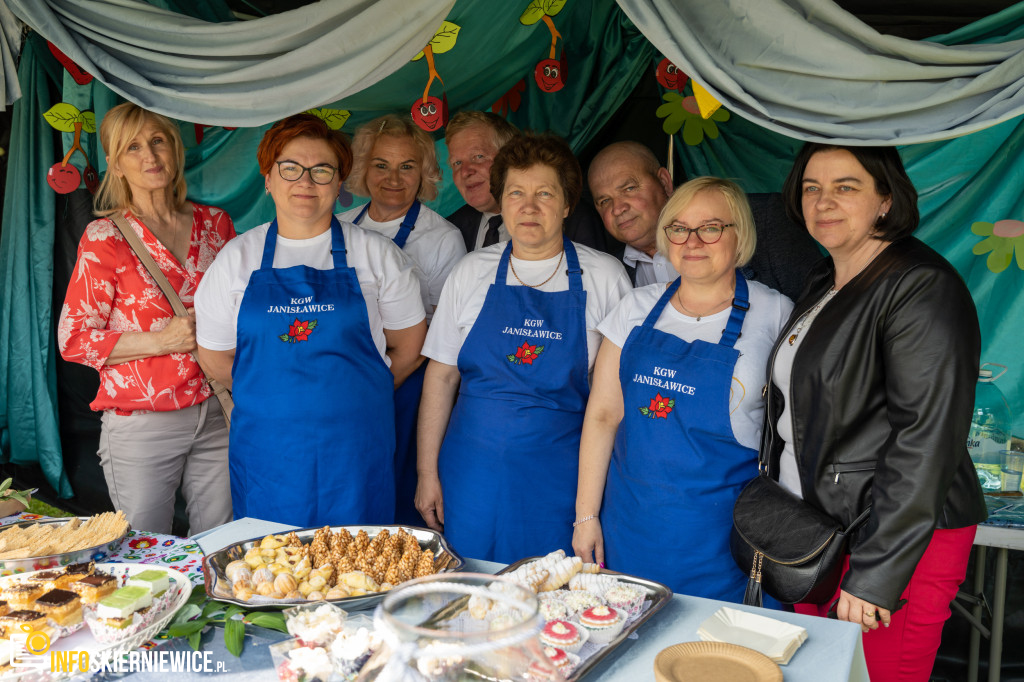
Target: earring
(266, 190)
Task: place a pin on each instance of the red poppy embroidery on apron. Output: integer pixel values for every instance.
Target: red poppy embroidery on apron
(298, 331)
(525, 354)
(659, 407)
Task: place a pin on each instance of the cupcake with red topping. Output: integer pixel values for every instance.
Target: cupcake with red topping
(562, 634)
(604, 623)
(565, 662)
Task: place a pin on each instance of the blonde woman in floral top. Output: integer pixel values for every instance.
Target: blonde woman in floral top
(161, 429)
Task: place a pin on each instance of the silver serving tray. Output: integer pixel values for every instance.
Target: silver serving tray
(97, 553)
(658, 594)
(218, 587)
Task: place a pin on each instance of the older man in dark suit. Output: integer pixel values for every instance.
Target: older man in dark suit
(630, 188)
(473, 139)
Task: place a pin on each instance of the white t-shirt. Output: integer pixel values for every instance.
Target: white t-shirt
(481, 234)
(656, 269)
(782, 373)
(435, 245)
(387, 278)
(768, 312)
(604, 280)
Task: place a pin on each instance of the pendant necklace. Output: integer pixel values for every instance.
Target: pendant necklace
(534, 286)
(811, 314)
(689, 312)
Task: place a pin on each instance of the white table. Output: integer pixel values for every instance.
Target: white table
(833, 650)
(1002, 539)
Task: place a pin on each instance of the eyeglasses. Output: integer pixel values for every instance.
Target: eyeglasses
(709, 233)
(291, 171)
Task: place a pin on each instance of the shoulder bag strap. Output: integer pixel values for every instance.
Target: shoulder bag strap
(160, 278)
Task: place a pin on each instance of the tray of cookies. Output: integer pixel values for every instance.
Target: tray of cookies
(35, 545)
(106, 610)
(352, 566)
(588, 611)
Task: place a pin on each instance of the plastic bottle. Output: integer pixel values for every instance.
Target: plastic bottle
(989, 436)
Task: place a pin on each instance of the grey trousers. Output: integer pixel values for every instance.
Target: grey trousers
(146, 456)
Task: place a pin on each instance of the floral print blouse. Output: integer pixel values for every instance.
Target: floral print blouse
(110, 292)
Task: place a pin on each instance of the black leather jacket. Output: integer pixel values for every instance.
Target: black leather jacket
(883, 391)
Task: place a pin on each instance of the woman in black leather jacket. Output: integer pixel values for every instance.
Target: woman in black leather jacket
(871, 392)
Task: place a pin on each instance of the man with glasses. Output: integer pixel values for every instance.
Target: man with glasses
(630, 187)
(473, 139)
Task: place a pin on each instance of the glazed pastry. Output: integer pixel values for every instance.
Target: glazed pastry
(426, 564)
(78, 571)
(560, 659)
(590, 568)
(562, 572)
(93, 588)
(596, 583)
(603, 622)
(63, 607)
(21, 595)
(13, 622)
(51, 580)
(562, 634)
(4, 608)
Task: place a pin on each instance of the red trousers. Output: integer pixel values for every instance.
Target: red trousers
(905, 651)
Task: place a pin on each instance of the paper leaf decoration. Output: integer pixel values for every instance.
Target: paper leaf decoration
(511, 100)
(88, 122)
(64, 116)
(538, 9)
(334, 118)
(706, 102)
(1004, 242)
(443, 40)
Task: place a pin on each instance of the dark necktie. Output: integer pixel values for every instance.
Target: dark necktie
(492, 237)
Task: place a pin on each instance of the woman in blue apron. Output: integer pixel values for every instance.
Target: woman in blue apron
(672, 426)
(395, 164)
(498, 469)
(312, 439)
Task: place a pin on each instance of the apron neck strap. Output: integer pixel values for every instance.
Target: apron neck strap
(408, 222)
(337, 245)
(268, 246)
(572, 260)
(740, 306)
(656, 311)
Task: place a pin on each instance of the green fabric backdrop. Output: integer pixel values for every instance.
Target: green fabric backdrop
(970, 180)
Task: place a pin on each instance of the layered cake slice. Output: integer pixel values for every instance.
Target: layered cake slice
(63, 607)
(117, 610)
(94, 587)
(154, 580)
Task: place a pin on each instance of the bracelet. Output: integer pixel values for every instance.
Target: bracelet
(577, 522)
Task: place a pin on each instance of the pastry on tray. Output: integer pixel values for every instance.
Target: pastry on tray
(94, 588)
(604, 623)
(63, 607)
(563, 635)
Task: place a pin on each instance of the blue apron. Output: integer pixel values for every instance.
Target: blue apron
(676, 468)
(308, 446)
(407, 407)
(510, 457)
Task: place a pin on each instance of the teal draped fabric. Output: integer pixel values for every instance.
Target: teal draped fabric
(28, 410)
(966, 186)
(606, 56)
(810, 69)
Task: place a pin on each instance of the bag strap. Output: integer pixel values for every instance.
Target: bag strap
(160, 278)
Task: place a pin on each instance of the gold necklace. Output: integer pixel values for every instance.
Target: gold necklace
(679, 297)
(534, 286)
(810, 314)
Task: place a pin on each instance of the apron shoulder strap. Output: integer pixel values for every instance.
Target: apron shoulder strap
(408, 224)
(740, 306)
(502, 275)
(655, 313)
(268, 247)
(572, 260)
(338, 251)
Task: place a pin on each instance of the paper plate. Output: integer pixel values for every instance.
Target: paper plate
(714, 662)
(774, 638)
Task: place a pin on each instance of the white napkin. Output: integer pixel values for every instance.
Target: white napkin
(773, 638)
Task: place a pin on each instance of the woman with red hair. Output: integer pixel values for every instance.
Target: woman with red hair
(313, 323)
